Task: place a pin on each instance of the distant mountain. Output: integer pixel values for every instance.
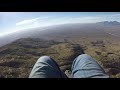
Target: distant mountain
(61, 32)
(110, 23)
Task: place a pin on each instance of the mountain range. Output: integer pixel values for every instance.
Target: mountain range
(110, 23)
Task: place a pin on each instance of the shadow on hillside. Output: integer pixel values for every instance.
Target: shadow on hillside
(14, 64)
(66, 62)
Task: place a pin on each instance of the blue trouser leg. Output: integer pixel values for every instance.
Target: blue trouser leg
(84, 66)
(46, 67)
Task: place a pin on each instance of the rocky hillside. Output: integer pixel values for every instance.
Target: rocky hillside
(18, 58)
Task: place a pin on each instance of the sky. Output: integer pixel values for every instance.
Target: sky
(15, 21)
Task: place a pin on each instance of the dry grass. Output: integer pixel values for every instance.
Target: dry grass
(16, 61)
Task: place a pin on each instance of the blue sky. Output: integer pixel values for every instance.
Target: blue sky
(16, 21)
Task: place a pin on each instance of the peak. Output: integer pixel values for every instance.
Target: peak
(110, 22)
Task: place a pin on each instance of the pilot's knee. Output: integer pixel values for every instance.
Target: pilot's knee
(44, 59)
(83, 56)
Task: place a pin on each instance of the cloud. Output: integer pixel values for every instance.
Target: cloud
(31, 21)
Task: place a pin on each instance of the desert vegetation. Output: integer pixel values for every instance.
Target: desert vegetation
(18, 58)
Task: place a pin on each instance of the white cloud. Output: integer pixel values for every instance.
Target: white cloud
(30, 21)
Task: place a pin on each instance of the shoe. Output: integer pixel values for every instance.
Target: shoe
(68, 73)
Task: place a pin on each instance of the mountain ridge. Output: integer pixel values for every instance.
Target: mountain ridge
(59, 31)
(110, 22)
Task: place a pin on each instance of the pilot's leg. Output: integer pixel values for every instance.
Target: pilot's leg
(84, 66)
(46, 67)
